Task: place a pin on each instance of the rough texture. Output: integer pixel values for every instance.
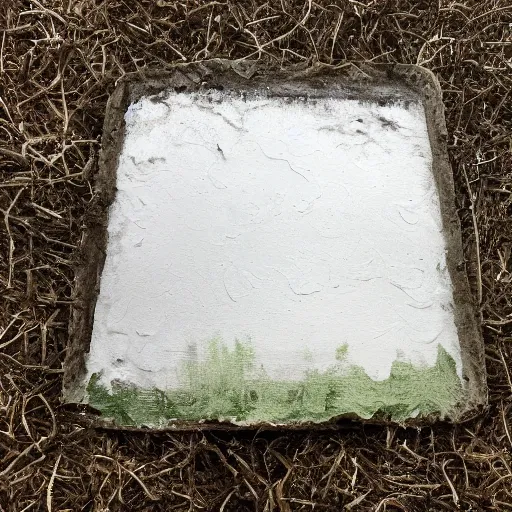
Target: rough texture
(223, 387)
(58, 63)
(379, 85)
(257, 239)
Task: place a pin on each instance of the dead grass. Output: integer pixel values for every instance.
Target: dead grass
(59, 60)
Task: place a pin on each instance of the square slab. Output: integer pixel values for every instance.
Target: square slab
(274, 249)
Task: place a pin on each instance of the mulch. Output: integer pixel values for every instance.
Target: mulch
(59, 61)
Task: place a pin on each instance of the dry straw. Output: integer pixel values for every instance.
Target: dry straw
(59, 59)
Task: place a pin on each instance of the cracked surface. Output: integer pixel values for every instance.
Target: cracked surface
(300, 225)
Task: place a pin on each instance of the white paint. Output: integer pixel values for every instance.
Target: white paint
(304, 226)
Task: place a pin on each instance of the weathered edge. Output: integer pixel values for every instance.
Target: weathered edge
(465, 310)
(211, 74)
(91, 255)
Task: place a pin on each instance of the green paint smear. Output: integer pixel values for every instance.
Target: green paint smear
(226, 386)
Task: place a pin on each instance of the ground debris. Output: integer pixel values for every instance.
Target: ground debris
(59, 60)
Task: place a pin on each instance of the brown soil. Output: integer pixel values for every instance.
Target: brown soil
(59, 61)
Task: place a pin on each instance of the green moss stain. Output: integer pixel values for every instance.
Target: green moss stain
(218, 386)
(341, 352)
(225, 385)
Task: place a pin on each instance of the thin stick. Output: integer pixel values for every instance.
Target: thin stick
(505, 424)
(225, 502)
(64, 106)
(335, 35)
(11, 240)
(49, 491)
(2, 54)
(454, 492)
(477, 237)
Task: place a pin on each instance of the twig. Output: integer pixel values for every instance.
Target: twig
(49, 491)
(477, 237)
(454, 492)
(11, 240)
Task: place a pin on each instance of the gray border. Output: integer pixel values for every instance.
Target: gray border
(381, 83)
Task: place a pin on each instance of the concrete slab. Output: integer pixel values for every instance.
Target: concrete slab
(279, 250)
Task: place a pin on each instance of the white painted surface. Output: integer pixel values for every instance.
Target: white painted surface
(304, 226)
